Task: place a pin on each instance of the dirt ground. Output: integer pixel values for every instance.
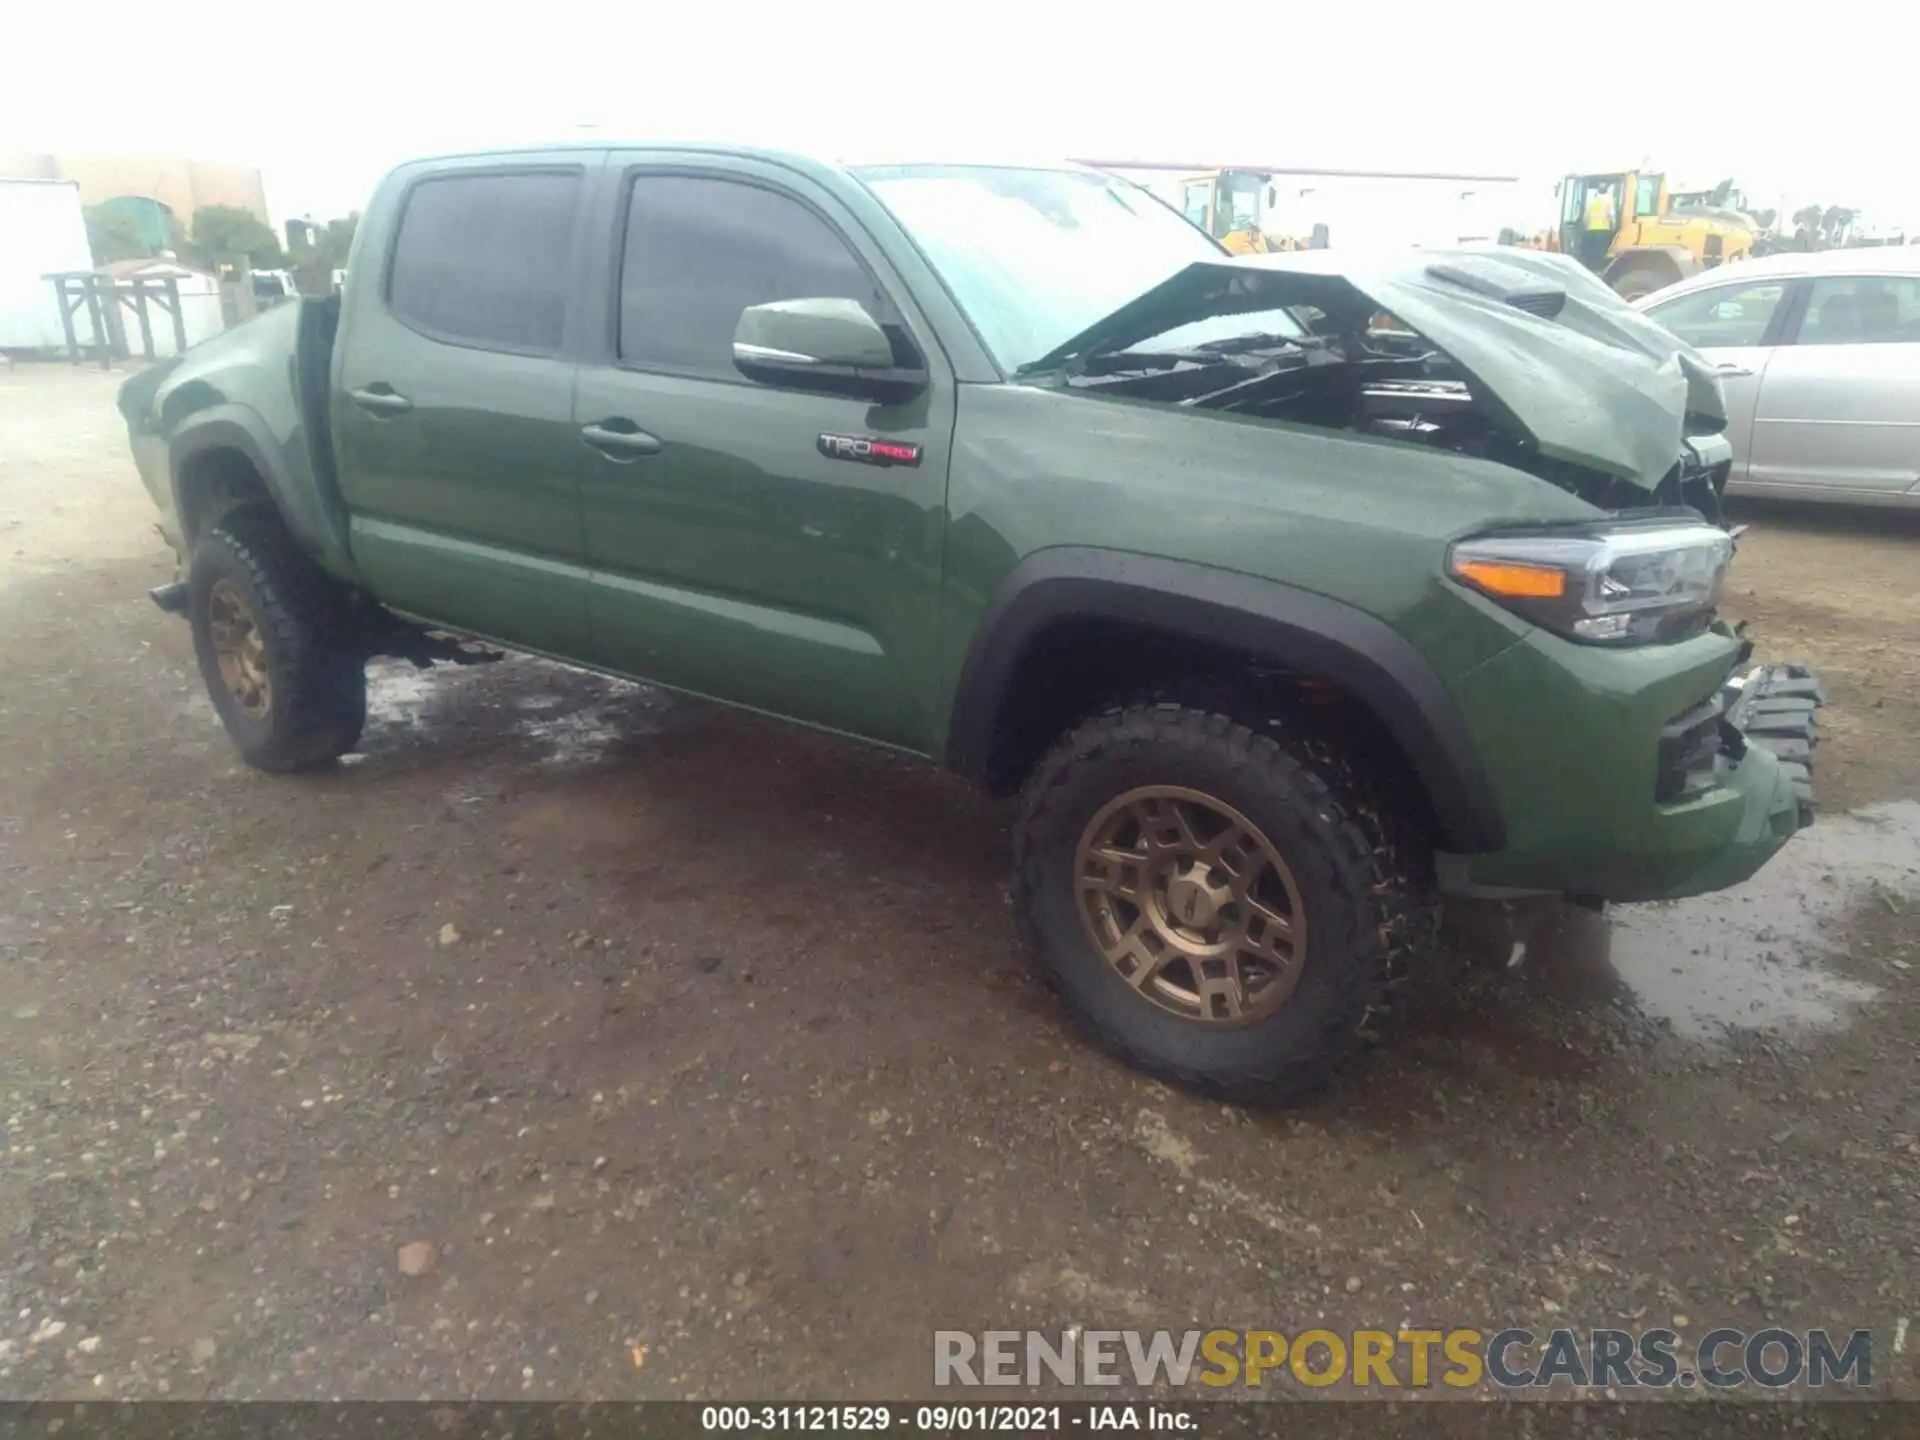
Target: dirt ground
(701, 1052)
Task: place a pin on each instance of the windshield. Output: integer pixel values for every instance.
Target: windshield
(1243, 201)
(1036, 256)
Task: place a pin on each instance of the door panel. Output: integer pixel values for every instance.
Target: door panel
(1846, 416)
(1737, 326)
(452, 405)
(463, 505)
(738, 560)
(742, 563)
(1741, 369)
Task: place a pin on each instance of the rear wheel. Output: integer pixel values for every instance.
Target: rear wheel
(270, 635)
(1215, 905)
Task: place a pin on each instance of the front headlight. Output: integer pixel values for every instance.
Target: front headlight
(1611, 583)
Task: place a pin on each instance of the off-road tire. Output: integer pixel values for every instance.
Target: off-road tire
(318, 675)
(1364, 875)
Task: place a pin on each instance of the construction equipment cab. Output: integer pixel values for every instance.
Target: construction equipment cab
(1626, 227)
(1230, 206)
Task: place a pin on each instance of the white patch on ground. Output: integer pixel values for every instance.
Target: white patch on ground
(397, 693)
(579, 738)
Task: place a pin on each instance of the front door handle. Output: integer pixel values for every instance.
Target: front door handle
(1731, 370)
(620, 439)
(380, 400)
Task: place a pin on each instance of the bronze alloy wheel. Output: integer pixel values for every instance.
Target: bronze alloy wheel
(1191, 905)
(241, 649)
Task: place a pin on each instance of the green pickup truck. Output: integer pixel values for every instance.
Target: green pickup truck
(1288, 593)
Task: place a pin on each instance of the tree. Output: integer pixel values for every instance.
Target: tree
(222, 232)
(112, 236)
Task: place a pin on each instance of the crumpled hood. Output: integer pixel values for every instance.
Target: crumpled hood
(1587, 378)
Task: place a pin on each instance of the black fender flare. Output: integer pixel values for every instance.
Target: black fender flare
(1289, 627)
(236, 428)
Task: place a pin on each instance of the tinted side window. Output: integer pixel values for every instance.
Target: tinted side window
(1862, 310)
(1724, 315)
(699, 251)
(486, 259)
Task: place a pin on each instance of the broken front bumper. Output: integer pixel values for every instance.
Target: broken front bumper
(1641, 774)
(1759, 748)
(1772, 706)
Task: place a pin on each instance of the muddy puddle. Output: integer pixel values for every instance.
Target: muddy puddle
(1762, 956)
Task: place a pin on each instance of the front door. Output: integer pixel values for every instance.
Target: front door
(1736, 327)
(737, 550)
(452, 402)
(1840, 405)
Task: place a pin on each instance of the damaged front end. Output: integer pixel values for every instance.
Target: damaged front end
(1640, 758)
(1522, 359)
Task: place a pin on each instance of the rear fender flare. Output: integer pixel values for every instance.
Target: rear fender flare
(1279, 624)
(236, 428)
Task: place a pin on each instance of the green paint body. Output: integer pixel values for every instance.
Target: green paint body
(742, 563)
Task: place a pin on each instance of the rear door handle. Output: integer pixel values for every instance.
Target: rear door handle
(380, 400)
(620, 439)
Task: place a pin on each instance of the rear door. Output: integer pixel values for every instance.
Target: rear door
(1839, 407)
(737, 552)
(452, 401)
(1736, 326)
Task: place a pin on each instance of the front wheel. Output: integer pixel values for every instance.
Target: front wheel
(1216, 906)
(273, 647)
(1642, 280)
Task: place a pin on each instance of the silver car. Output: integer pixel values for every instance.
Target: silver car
(1820, 356)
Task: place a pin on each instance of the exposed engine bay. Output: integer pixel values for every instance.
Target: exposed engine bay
(1377, 377)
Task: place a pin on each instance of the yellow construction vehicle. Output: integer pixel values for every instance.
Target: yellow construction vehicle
(1234, 206)
(1229, 205)
(1637, 236)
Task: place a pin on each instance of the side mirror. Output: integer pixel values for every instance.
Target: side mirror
(822, 344)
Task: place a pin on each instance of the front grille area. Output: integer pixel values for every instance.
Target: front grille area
(1689, 744)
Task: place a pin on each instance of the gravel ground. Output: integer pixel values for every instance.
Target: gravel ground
(684, 1054)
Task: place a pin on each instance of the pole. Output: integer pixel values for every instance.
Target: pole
(146, 325)
(92, 284)
(66, 318)
(179, 319)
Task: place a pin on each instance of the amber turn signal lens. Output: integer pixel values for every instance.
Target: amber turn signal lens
(1516, 581)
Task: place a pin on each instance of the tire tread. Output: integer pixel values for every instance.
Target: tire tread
(304, 616)
(1378, 864)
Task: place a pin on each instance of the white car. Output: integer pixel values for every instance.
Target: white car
(1820, 357)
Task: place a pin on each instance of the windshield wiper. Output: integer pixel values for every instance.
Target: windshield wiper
(1260, 340)
(1207, 352)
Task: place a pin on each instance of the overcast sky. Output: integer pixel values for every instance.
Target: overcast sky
(323, 97)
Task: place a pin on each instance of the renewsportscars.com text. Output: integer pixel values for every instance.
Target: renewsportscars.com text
(1376, 1360)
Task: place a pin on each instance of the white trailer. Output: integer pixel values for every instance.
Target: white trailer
(42, 232)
